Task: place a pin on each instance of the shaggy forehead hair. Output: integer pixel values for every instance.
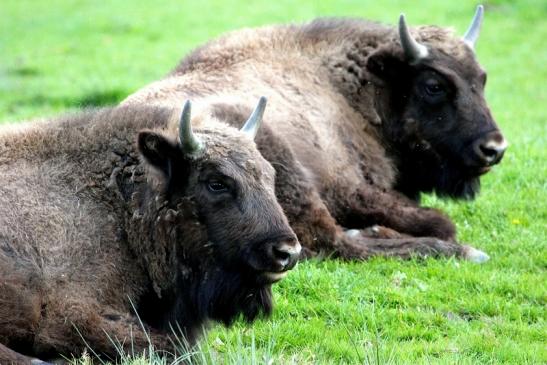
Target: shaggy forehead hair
(226, 147)
(445, 40)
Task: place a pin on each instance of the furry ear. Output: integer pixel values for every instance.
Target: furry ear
(158, 151)
(387, 64)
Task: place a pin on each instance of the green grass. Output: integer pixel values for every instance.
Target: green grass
(62, 55)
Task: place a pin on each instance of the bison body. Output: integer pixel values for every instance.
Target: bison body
(363, 119)
(95, 227)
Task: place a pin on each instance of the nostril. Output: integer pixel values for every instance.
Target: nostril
(281, 255)
(489, 153)
(492, 150)
(285, 253)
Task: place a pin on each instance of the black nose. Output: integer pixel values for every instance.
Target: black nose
(490, 148)
(284, 254)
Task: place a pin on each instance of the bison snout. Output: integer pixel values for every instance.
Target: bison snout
(283, 254)
(490, 148)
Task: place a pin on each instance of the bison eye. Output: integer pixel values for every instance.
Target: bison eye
(434, 91)
(433, 88)
(215, 186)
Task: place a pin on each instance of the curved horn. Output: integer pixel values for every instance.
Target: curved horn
(253, 123)
(189, 142)
(474, 29)
(414, 51)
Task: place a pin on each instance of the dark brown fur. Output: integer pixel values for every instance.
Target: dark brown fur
(347, 129)
(90, 232)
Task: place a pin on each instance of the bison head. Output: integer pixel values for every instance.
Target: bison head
(216, 183)
(436, 120)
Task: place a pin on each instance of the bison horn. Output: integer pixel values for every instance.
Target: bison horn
(472, 34)
(253, 123)
(189, 142)
(414, 51)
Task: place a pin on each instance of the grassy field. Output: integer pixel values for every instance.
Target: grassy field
(61, 55)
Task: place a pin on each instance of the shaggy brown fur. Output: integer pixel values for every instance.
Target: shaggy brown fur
(352, 136)
(88, 229)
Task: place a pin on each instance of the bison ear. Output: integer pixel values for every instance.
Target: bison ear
(158, 151)
(387, 64)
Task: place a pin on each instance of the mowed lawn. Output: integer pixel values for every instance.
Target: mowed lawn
(57, 56)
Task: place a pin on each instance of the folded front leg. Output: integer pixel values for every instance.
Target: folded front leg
(368, 206)
(71, 326)
(377, 231)
(381, 241)
(8, 356)
(404, 229)
(319, 233)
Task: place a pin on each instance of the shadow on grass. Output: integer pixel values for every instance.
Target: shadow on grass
(23, 71)
(92, 99)
(102, 98)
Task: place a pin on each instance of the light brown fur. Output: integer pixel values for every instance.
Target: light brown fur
(89, 231)
(327, 132)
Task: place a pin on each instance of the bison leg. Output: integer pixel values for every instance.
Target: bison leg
(20, 307)
(377, 231)
(10, 357)
(369, 206)
(319, 232)
(71, 326)
(407, 247)
(397, 226)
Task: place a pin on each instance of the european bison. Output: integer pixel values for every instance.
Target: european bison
(363, 118)
(90, 232)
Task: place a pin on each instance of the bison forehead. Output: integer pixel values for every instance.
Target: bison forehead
(450, 55)
(236, 152)
(229, 143)
(237, 161)
(445, 40)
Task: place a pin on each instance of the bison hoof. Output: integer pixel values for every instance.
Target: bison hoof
(352, 233)
(474, 255)
(39, 362)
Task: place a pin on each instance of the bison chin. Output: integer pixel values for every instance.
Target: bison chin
(454, 183)
(230, 294)
(216, 294)
(427, 171)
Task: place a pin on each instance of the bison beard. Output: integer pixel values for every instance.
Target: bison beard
(453, 183)
(227, 294)
(427, 171)
(221, 295)
(207, 286)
